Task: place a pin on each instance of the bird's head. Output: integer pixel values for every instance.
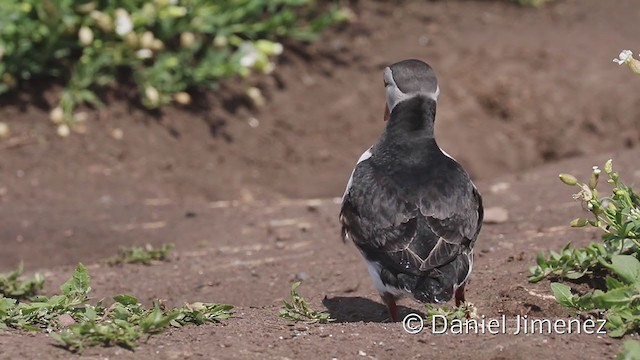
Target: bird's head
(407, 79)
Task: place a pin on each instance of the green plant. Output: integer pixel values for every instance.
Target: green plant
(618, 217)
(450, 313)
(631, 351)
(141, 255)
(81, 324)
(12, 286)
(167, 47)
(299, 309)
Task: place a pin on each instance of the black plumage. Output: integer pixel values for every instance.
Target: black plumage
(412, 210)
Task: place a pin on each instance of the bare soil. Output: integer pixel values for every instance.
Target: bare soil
(525, 94)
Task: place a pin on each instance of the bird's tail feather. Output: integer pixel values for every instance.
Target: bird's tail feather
(440, 284)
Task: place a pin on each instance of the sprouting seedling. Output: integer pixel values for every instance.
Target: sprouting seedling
(462, 312)
(299, 309)
(146, 255)
(12, 285)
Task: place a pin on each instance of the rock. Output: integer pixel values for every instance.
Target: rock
(301, 276)
(496, 215)
(65, 320)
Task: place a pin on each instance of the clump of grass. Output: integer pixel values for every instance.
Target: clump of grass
(146, 255)
(12, 285)
(81, 324)
(300, 310)
(618, 217)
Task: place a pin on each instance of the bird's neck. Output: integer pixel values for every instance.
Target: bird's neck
(413, 118)
(408, 138)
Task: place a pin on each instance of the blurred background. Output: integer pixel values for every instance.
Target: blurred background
(118, 108)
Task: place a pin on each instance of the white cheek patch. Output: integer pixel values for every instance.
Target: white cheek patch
(395, 96)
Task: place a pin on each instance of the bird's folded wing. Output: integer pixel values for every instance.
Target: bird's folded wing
(410, 236)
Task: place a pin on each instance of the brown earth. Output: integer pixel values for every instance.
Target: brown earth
(521, 89)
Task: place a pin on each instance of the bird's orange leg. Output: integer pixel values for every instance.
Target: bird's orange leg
(390, 301)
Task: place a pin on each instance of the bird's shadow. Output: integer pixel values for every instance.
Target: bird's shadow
(356, 309)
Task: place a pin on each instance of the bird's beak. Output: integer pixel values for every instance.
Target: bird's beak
(386, 112)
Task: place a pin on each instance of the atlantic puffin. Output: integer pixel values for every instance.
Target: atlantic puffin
(409, 207)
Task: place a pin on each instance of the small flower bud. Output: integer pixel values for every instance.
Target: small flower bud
(146, 40)
(269, 47)
(157, 45)
(132, 39)
(608, 166)
(85, 35)
(220, 41)
(256, 96)
(63, 130)
(182, 98)
(152, 95)
(103, 20)
(579, 222)
(187, 39)
(593, 180)
(568, 179)
(4, 130)
(57, 115)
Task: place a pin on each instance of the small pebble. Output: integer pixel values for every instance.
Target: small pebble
(496, 215)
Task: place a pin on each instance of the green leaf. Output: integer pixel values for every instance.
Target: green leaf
(631, 351)
(627, 267)
(126, 299)
(78, 284)
(562, 294)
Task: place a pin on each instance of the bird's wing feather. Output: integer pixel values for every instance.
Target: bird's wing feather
(412, 229)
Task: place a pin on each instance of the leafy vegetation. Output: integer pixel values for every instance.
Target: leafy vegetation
(631, 351)
(142, 255)
(13, 286)
(300, 310)
(618, 216)
(167, 47)
(83, 324)
(450, 313)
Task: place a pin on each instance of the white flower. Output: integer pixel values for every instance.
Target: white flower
(624, 56)
(596, 170)
(144, 54)
(249, 54)
(124, 25)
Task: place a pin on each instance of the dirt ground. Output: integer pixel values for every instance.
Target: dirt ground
(525, 94)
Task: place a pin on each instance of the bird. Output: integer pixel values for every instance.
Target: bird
(410, 208)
